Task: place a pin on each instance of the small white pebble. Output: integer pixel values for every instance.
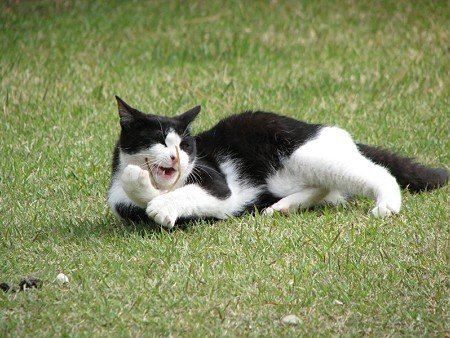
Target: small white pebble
(62, 278)
(290, 320)
(337, 302)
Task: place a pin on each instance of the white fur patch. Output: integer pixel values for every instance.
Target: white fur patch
(331, 161)
(193, 201)
(172, 140)
(137, 185)
(116, 195)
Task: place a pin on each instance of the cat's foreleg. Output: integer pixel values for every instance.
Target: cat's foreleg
(190, 201)
(303, 199)
(137, 185)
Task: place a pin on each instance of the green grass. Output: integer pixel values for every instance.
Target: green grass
(378, 69)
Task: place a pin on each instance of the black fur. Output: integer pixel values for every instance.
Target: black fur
(410, 175)
(259, 140)
(208, 176)
(132, 213)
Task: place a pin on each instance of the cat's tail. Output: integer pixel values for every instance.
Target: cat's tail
(410, 175)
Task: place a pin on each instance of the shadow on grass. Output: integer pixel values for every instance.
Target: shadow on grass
(107, 225)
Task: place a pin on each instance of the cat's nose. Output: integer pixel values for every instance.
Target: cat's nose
(174, 159)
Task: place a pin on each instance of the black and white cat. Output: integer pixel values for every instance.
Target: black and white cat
(249, 160)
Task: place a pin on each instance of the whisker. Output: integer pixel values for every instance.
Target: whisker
(140, 154)
(204, 170)
(201, 166)
(195, 175)
(199, 157)
(161, 128)
(185, 133)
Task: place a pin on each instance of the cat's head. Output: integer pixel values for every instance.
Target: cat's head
(162, 145)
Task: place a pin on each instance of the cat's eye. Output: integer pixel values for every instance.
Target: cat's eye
(185, 145)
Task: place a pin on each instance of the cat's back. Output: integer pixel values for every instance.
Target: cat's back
(258, 130)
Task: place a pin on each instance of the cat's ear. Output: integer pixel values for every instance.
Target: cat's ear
(189, 116)
(127, 113)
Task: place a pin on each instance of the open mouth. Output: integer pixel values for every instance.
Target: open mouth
(160, 171)
(167, 172)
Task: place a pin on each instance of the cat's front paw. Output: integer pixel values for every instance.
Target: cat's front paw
(136, 183)
(163, 211)
(135, 178)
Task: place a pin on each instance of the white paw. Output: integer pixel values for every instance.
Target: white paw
(282, 208)
(135, 178)
(163, 211)
(136, 183)
(268, 212)
(384, 210)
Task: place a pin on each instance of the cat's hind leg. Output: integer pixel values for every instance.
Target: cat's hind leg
(334, 197)
(305, 198)
(332, 160)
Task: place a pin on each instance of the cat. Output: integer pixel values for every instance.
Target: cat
(162, 173)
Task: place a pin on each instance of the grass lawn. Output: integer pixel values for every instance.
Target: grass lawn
(380, 69)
